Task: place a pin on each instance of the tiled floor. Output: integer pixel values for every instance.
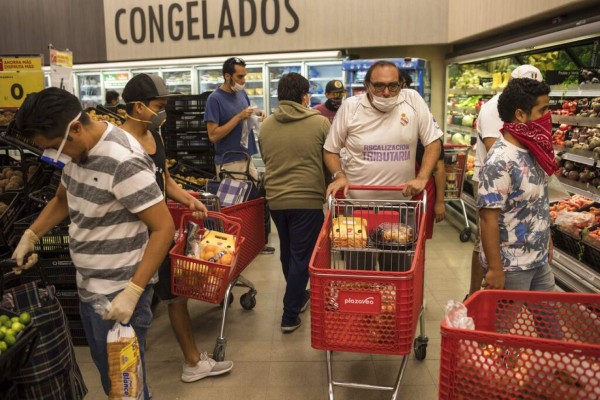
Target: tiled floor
(271, 366)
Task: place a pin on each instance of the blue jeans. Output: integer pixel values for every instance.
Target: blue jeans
(298, 232)
(96, 330)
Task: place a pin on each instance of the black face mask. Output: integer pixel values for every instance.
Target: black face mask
(333, 104)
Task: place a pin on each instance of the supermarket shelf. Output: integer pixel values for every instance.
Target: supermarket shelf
(462, 129)
(573, 274)
(578, 121)
(467, 92)
(464, 110)
(583, 189)
(325, 79)
(579, 156)
(582, 91)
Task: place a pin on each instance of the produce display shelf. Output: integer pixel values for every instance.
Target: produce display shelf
(579, 156)
(573, 274)
(473, 91)
(583, 189)
(464, 110)
(462, 129)
(587, 91)
(578, 121)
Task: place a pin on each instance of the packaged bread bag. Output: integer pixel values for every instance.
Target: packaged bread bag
(349, 232)
(124, 364)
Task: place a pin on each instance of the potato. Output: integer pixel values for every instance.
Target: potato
(13, 186)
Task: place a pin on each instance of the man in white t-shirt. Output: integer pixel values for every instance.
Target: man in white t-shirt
(380, 130)
(489, 125)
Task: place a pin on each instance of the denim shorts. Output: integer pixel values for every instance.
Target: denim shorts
(96, 330)
(537, 279)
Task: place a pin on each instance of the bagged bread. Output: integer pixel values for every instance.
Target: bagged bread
(349, 232)
(124, 364)
(395, 233)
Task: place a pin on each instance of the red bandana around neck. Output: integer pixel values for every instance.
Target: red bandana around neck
(536, 136)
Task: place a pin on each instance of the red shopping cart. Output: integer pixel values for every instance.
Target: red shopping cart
(366, 280)
(526, 345)
(204, 280)
(455, 160)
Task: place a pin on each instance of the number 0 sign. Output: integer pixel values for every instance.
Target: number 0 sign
(19, 76)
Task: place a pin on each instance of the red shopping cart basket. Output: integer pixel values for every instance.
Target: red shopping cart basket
(199, 279)
(526, 345)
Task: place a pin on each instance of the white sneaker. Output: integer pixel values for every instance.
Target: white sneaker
(205, 367)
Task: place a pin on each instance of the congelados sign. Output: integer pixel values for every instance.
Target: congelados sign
(166, 29)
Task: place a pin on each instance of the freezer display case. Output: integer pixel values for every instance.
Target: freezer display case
(179, 81)
(114, 80)
(89, 87)
(417, 68)
(318, 75)
(275, 72)
(210, 77)
(148, 71)
(255, 86)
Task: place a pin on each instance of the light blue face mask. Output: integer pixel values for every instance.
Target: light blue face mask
(55, 157)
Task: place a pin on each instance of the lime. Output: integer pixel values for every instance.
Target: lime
(4, 318)
(3, 345)
(8, 324)
(1, 335)
(14, 319)
(17, 327)
(25, 318)
(9, 332)
(10, 340)
(3, 329)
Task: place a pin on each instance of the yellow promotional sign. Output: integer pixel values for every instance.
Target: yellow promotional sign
(19, 76)
(61, 58)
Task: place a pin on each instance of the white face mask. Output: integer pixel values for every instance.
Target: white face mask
(55, 157)
(236, 87)
(384, 104)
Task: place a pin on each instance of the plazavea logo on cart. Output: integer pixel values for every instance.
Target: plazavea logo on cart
(360, 302)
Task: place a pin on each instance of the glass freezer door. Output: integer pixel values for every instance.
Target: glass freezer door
(318, 75)
(210, 78)
(255, 86)
(89, 88)
(115, 80)
(179, 81)
(275, 72)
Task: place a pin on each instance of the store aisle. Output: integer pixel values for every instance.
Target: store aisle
(270, 365)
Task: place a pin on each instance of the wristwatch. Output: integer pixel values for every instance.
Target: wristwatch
(335, 174)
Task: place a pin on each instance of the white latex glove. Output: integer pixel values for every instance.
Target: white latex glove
(26, 246)
(122, 306)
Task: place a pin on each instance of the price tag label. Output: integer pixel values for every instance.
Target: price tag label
(19, 76)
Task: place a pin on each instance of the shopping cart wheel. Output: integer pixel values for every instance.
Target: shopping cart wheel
(465, 235)
(248, 300)
(420, 348)
(230, 302)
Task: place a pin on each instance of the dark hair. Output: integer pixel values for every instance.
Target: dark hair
(129, 106)
(380, 64)
(230, 63)
(111, 95)
(520, 93)
(48, 113)
(405, 78)
(292, 87)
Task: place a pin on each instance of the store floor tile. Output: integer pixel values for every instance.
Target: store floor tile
(271, 366)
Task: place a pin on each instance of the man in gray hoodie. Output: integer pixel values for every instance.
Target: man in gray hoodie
(291, 142)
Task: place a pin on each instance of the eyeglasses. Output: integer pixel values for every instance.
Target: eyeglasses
(379, 87)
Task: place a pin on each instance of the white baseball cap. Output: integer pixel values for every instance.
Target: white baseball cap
(527, 71)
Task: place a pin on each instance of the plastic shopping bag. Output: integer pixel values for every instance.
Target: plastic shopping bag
(124, 364)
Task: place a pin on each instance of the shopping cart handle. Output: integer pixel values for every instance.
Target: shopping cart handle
(9, 263)
(398, 188)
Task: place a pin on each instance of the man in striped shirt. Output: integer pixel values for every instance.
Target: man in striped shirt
(120, 227)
